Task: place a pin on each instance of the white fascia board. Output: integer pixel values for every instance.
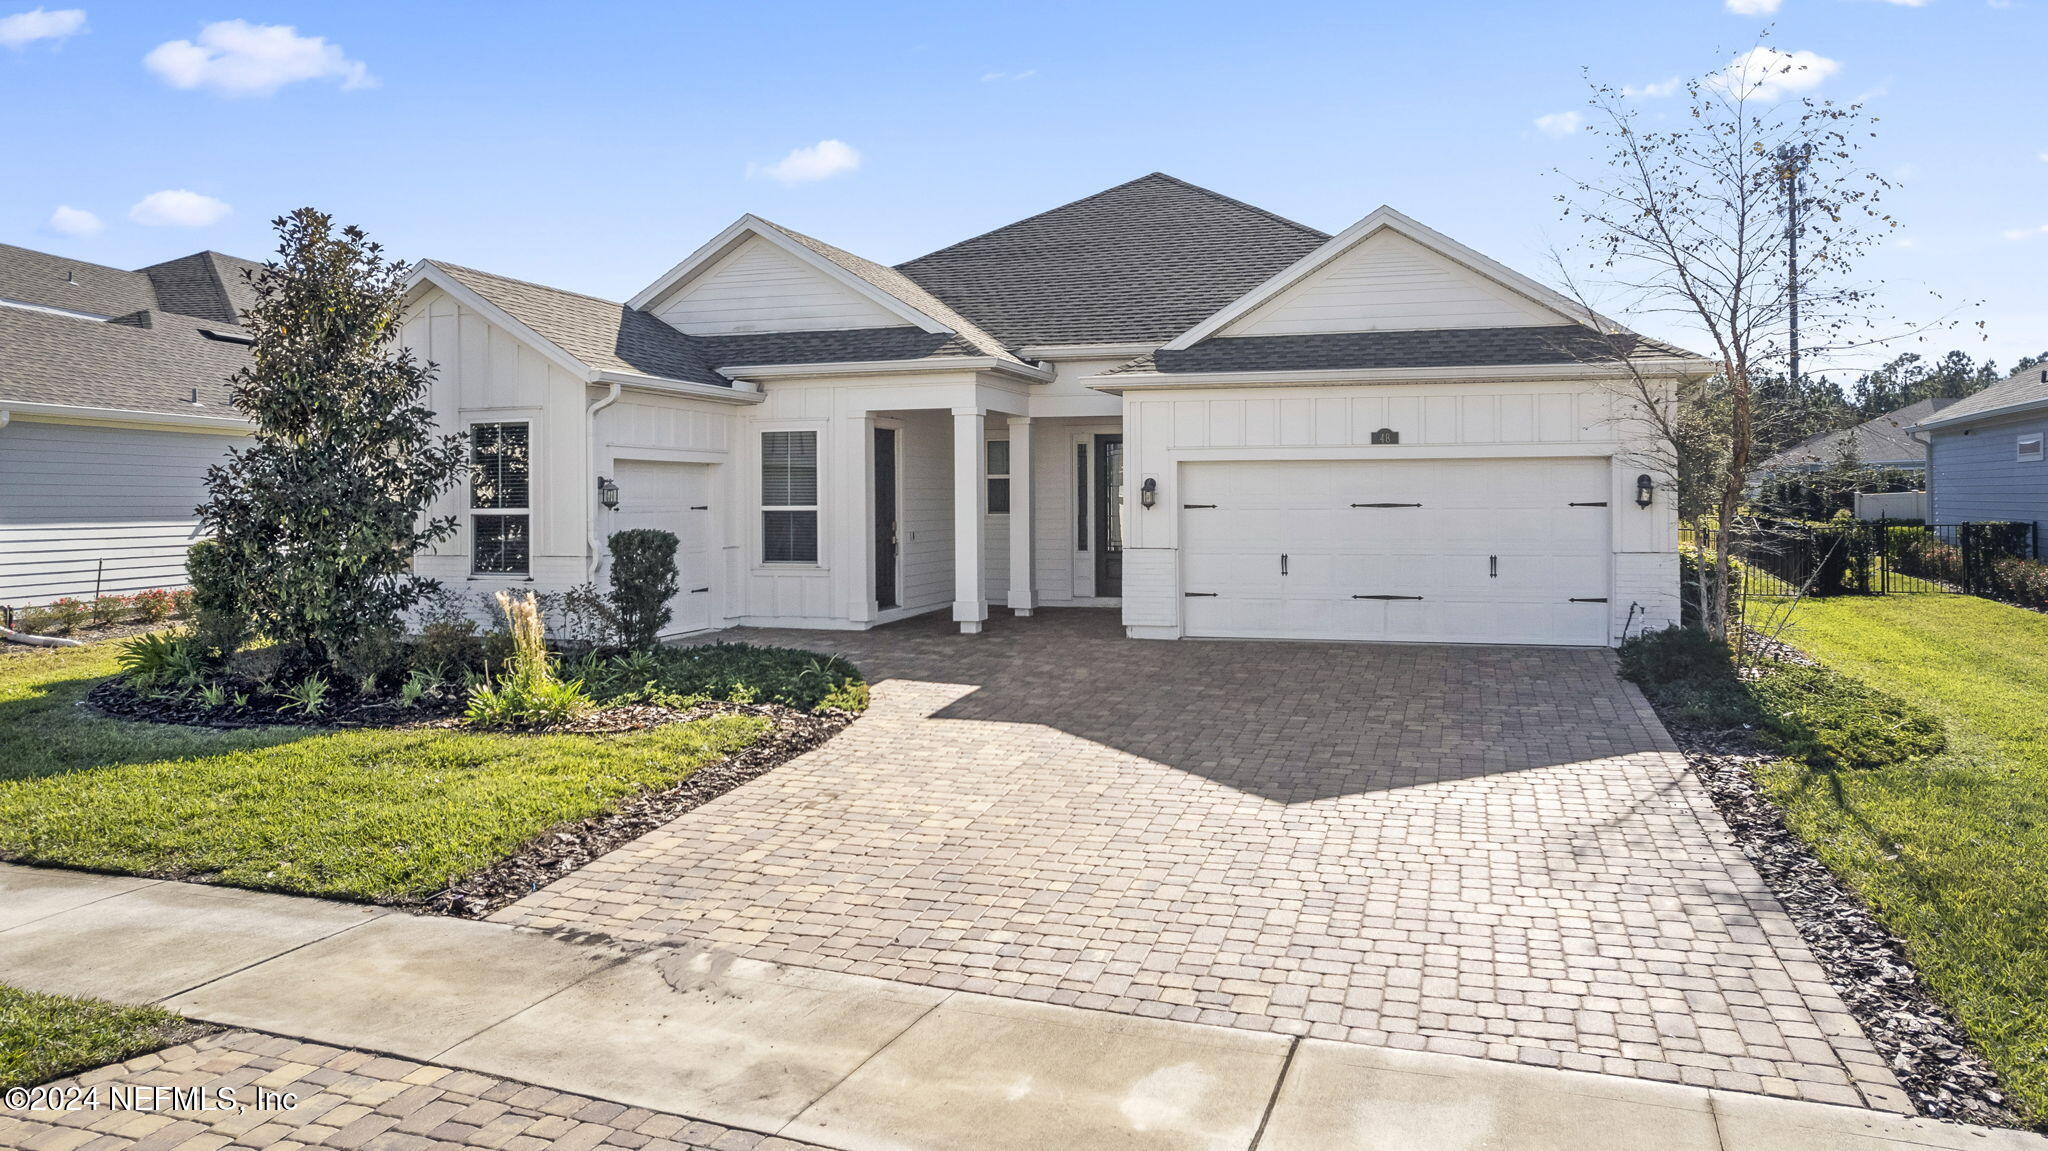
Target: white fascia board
(1155, 381)
(718, 393)
(426, 271)
(1938, 421)
(886, 368)
(1088, 351)
(128, 417)
(749, 226)
(1568, 310)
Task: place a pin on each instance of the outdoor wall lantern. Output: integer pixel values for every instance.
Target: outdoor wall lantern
(608, 492)
(1148, 492)
(1643, 490)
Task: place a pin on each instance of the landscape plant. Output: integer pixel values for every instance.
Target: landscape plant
(154, 605)
(107, 610)
(319, 514)
(526, 691)
(644, 579)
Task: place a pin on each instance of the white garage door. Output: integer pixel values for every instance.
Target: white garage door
(674, 498)
(1445, 551)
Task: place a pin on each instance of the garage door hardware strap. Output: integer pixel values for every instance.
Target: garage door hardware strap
(695, 590)
(1186, 506)
(1589, 599)
(1198, 594)
(1386, 505)
(700, 507)
(1587, 504)
(1386, 597)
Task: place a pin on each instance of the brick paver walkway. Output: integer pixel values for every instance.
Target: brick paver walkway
(344, 1099)
(1477, 851)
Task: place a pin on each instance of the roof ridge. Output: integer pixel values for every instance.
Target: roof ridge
(1104, 192)
(526, 283)
(74, 260)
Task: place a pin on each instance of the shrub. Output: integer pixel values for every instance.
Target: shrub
(735, 672)
(644, 579)
(2020, 581)
(219, 625)
(449, 637)
(308, 697)
(527, 693)
(158, 662)
(154, 605)
(181, 603)
(1832, 721)
(1689, 674)
(65, 615)
(108, 609)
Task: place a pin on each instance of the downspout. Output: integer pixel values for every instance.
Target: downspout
(594, 545)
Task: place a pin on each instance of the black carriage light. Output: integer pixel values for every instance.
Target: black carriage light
(1644, 488)
(608, 492)
(1148, 493)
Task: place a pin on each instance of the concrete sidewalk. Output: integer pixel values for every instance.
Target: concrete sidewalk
(841, 1060)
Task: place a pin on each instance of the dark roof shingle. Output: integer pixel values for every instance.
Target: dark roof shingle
(1879, 440)
(52, 359)
(605, 335)
(1433, 348)
(1145, 260)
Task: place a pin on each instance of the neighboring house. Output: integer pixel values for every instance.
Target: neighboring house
(1156, 397)
(113, 403)
(1985, 454)
(1885, 441)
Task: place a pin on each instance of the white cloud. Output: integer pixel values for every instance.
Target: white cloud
(178, 208)
(237, 58)
(1655, 91)
(24, 28)
(994, 77)
(70, 221)
(1559, 123)
(2026, 233)
(1753, 7)
(820, 161)
(1768, 74)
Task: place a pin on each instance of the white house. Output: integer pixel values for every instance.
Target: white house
(113, 405)
(1159, 398)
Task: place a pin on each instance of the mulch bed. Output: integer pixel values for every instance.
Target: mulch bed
(564, 848)
(114, 697)
(1927, 1049)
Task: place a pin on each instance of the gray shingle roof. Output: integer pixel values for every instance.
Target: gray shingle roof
(1880, 440)
(2027, 386)
(52, 359)
(848, 346)
(1145, 260)
(1437, 348)
(605, 335)
(208, 285)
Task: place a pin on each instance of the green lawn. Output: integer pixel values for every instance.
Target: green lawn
(1952, 853)
(389, 816)
(45, 1037)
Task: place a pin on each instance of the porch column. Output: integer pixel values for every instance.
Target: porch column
(1023, 594)
(970, 516)
(858, 478)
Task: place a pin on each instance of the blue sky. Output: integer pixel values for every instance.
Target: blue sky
(592, 146)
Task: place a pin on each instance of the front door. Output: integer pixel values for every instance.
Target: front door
(1109, 516)
(885, 518)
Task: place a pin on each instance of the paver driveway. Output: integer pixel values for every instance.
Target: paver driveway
(1482, 851)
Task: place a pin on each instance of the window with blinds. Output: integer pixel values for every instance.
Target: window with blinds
(500, 485)
(998, 473)
(789, 497)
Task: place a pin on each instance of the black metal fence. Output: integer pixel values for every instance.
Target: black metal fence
(1878, 557)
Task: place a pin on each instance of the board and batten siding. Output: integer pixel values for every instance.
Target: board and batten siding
(1388, 282)
(758, 287)
(1975, 473)
(87, 507)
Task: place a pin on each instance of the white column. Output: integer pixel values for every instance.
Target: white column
(970, 516)
(859, 500)
(1023, 594)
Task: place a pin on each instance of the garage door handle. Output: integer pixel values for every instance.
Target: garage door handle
(1386, 597)
(1283, 565)
(700, 507)
(695, 590)
(1386, 505)
(1589, 599)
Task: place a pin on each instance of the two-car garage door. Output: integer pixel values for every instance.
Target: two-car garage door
(1446, 551)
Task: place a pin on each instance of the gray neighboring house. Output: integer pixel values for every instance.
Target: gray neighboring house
(1885, 441)
(1986, 454)
(113, 404)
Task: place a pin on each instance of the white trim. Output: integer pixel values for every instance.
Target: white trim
(1666, 368)
(717, 393)
(761, 562)
(1087, 351)
(751, 225)
(1568, 310)
(1935, 422)
(125, 417)
(886, 368)
(526, 512)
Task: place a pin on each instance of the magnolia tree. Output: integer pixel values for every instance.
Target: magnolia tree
(1740, 217)
(318, 517)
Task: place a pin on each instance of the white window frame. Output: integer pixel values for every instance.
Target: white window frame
(469, 494)
(2030, 449)
(763, 507)
(988, 477)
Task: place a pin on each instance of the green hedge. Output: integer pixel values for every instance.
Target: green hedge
(735, 672)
